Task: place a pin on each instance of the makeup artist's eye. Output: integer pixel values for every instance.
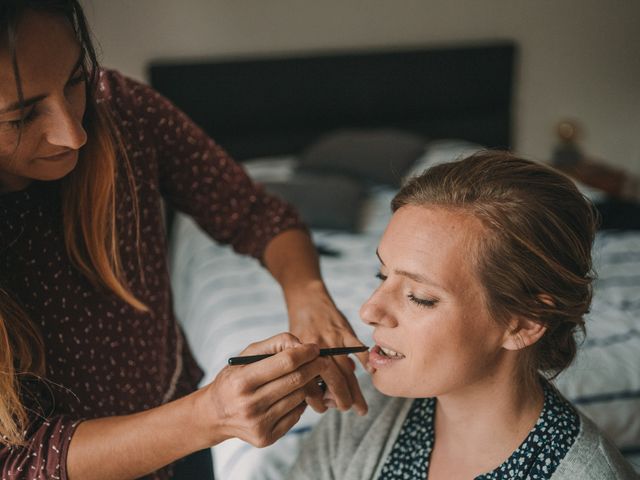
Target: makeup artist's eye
(422, 302)
(381, 277)
(79, 78)
(28, 118)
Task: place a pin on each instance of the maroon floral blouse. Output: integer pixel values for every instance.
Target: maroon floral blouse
(103, 357)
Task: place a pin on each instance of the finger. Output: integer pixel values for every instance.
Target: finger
(337, 384)
(330, 403)
(359, 403)
(270, 393)
(351, 339)
(274, 344)
(287, 422)
(352, 364)
(264, 371)
(284, 406)
(363, 357)
(266, 432)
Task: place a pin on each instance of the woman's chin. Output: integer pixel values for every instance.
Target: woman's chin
(391, 387)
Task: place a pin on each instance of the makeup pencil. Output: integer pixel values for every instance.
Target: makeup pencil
(324, 352)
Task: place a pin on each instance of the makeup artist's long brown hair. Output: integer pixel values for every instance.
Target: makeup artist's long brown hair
(88, 212)
(535, 259)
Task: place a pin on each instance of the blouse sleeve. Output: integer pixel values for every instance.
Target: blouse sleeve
(197, 176)
(44, 456)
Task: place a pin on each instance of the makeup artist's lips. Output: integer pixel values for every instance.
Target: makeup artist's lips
(380, 357)
(56, 157)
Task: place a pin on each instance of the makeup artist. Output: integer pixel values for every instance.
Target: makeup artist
(96, 378)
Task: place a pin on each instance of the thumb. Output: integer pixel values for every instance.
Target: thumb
(274, 344)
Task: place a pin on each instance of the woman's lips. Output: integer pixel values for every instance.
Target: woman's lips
(379, 359)
(59, 156)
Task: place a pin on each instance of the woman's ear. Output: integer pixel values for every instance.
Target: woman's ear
(522, 333)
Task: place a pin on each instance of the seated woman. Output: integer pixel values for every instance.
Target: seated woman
(485, 272)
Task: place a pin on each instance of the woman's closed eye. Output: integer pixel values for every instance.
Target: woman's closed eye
(423, 302)
(77, 80)
(31, 113)
(25, 120)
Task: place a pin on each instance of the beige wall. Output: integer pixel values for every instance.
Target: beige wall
(579, 58)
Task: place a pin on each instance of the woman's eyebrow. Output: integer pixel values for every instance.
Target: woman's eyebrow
(27, 102)
(416, 277)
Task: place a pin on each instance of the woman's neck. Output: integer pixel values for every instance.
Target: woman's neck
(490, 419)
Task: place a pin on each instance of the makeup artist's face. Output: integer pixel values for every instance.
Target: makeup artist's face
(54, 92)
(432, 330)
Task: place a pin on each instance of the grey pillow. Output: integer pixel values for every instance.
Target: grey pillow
(330, 202)
(381, 156)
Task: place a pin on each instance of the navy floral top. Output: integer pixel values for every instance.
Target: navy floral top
(536, 458)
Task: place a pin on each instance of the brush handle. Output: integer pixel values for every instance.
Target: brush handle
(324, 352)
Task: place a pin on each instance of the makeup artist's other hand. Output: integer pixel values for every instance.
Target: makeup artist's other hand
(260, 402)
(313, 317)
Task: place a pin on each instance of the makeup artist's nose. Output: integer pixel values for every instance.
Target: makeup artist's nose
(376, 311)
(65, 127)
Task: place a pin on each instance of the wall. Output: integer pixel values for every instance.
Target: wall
(578, 58)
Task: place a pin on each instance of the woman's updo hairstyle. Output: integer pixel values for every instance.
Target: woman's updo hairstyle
(535, 260)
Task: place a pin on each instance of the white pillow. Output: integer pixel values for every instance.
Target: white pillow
(442, 151)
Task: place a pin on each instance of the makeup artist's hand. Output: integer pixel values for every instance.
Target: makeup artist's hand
(313, 317)
(293, 261)
(260, 402)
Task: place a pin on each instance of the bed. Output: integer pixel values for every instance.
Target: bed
(274, 114)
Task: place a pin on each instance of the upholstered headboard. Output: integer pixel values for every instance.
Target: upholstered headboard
(278, 105)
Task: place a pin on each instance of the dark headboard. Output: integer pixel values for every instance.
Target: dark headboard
(270, 106)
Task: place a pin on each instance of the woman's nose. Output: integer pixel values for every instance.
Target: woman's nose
(376, 311)
(65, 128)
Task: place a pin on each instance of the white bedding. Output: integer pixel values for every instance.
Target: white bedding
(221, 315)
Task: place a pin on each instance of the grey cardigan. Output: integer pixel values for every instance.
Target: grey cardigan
(344, 446)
